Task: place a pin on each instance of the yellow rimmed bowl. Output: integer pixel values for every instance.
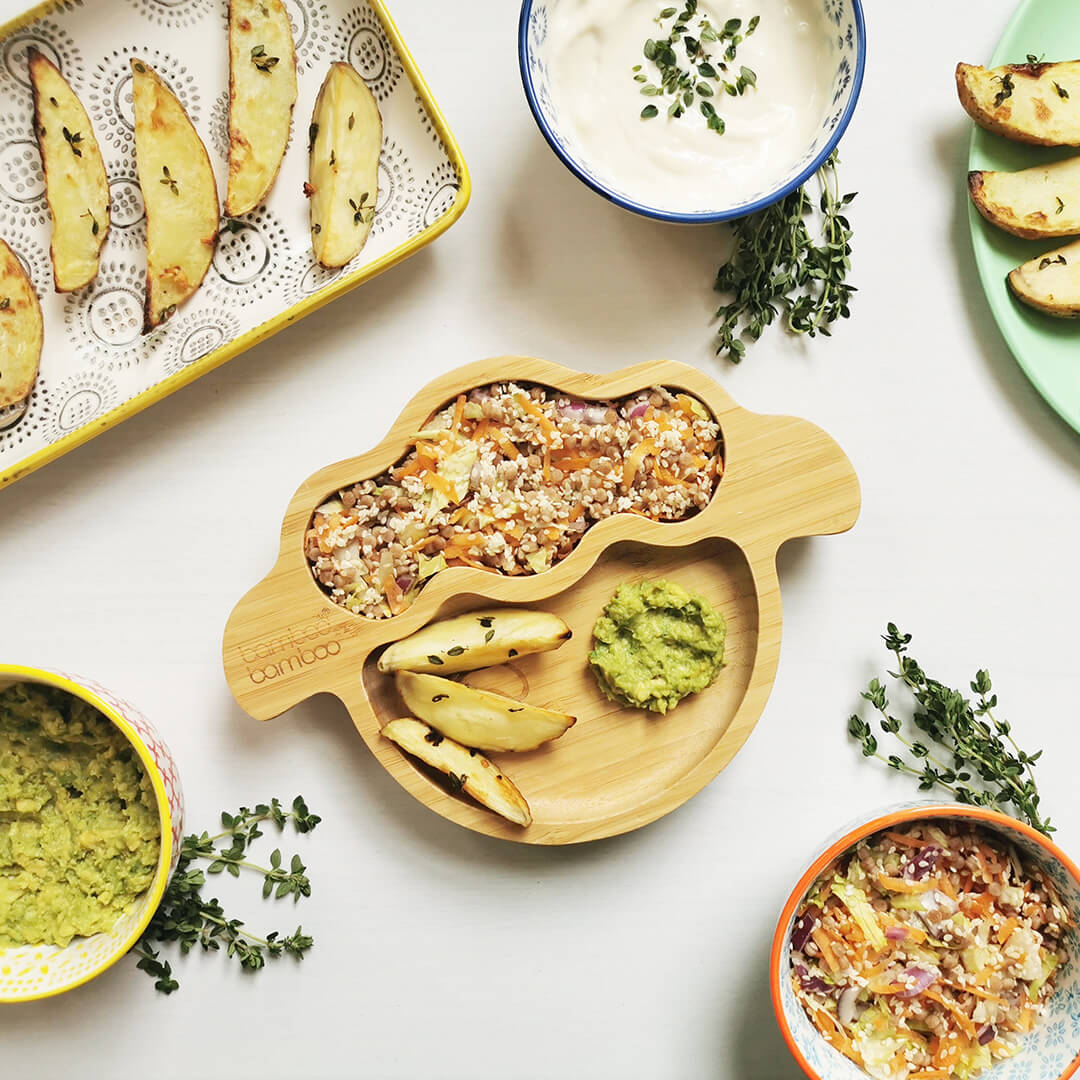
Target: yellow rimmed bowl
(30, 972)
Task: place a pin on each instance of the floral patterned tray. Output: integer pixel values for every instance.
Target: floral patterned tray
(98, 368)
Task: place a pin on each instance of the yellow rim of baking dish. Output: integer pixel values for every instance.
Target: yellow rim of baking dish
(290, 314)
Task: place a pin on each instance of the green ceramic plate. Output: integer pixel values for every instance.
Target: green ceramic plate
(1048, 349)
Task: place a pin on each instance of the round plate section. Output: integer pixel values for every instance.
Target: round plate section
(602, 776)
(1045, 348)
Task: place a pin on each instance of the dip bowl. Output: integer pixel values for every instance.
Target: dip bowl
(30, 972)
(844, 34)
(1050, 1052)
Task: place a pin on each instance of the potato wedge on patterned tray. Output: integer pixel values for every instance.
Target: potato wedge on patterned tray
(76, 186)
(1043, 201)
(466, 770)
(179, 192)
(262, 92)
(1030, 103)
(1051, 282)
(478, 639)
(479, 718)
(346, 140)
(22, 330)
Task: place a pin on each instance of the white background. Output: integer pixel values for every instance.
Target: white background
(440, 953)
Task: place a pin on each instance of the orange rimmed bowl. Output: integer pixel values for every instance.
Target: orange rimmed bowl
(1050, 1052)
(30, 972)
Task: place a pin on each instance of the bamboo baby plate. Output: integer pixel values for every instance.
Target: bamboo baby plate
(616, 769)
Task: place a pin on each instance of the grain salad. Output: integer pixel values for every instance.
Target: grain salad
(927, 952)
(507, 478)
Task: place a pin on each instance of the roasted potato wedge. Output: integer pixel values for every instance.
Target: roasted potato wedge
(1043, 201)
(262, 92)
(478, 718)
(466, 770)
(22, 330)
(1051, 283)
(346, 139)
(478, 639)
(76, 186)
(1031, 103)
(179, 192)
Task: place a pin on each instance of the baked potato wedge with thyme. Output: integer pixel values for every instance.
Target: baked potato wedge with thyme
(346, 140)
(479, 718)
(1030, 103)
(1051, 283)
(22, 330)
(179, 192)
(1043, 201)
(262, 92)
(475, 640)
(466, 770)
(76, 186)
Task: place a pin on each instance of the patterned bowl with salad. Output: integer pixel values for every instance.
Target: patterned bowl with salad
(932, 942)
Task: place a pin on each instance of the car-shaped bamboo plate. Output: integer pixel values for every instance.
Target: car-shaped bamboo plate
(616, 769)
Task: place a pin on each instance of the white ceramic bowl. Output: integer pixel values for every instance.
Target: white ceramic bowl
(846, 58)
(1051, 1051)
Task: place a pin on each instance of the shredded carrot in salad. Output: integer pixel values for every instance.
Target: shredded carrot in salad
(507, 478)
(926, 953)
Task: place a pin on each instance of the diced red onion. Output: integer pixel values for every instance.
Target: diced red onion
(572, 408)
(896, 933)
(637, 410)
(596, 414)
(920, 980)
(811, 984)
(804, 927)
(987, 1033)
(924, 864)
(404, 583)
(845, 1007)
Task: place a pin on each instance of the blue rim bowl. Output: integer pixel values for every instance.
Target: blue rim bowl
(857, 23)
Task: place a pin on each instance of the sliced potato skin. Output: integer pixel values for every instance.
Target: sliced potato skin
(346, 140)
(179, 192)
(22, 330)
(479, 718)
(477, 639)
(1036, 203)
(262, 92)
(470, 772)
(76, 185)
(1051, 282)
(1029, 103)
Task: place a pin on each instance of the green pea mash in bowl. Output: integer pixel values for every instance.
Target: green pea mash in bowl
(655, 644)
(80, 832)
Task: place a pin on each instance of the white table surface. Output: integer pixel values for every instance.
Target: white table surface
(643, 956)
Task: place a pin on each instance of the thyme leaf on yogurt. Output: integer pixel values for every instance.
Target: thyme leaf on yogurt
(684, 79)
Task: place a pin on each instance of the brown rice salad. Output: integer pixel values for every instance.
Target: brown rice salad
(928, 951)
(507, 478)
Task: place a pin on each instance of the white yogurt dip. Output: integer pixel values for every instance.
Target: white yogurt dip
(679, 164)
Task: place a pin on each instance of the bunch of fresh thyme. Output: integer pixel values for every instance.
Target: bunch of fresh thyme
(973, 741)
(697, 79)
(777, 268)
(185, 917)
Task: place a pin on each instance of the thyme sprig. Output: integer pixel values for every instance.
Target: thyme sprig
(188, 919)
(974, 742)
(777, 270)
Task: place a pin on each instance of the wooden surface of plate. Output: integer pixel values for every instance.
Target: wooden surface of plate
(616, 769)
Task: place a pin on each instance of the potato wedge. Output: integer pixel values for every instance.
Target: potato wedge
(1043, 201)
(479, 718)
(179, 192)
(22, 330)
(76, 186)
(1030, 103)
(467, 770)
(478, 639)
(1051, 283)
(262, 92)
(346, 139)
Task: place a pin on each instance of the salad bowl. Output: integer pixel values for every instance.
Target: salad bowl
(615, 769)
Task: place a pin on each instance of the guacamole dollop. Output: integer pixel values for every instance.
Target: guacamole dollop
(80, 832)
(656, 643)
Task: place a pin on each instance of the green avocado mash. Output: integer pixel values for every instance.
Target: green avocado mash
(80, 832)
(656, 643)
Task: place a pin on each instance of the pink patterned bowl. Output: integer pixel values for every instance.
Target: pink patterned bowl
(38, 971)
